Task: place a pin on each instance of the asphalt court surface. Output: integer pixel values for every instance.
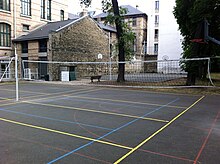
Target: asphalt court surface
(86, 124)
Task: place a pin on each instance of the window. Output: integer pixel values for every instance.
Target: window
(46, 9)
(134, 22)
(156, 20)
(156, 5)
(25, 27)
(42, 15)
(155, 49)
(61, 15)
(156, 34)
(49, 10)
(26, 7)
(42, 45)
(135, 44)
(5, 35)
(5, 5)
(24, 47)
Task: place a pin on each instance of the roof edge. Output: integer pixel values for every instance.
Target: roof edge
(71, 23)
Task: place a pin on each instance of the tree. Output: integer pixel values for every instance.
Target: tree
(190, 15)
(124, 35)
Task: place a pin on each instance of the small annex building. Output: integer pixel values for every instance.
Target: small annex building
(73, 40)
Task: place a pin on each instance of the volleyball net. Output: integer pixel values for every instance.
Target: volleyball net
(137, 73)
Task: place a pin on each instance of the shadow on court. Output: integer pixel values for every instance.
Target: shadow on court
(86, 124)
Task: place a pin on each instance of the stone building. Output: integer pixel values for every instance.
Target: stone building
(74, 40)
(19, 17)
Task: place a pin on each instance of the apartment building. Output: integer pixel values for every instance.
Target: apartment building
(137, 20)
(18, 17)
(164, 38)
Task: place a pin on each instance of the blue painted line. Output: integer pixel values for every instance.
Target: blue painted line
(73, 151)
(53, 119)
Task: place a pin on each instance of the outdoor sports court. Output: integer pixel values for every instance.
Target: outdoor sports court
(54, 123)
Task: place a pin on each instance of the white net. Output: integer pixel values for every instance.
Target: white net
(137, 73)
(6, 69)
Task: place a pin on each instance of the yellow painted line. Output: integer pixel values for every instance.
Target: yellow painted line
(12, 103)
(156, 92)
(5, 99)
(158, 131)
(65, 93)
(96, 111)
(65, 133)
(130, 102)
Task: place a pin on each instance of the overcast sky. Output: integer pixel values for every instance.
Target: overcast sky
(74, 5)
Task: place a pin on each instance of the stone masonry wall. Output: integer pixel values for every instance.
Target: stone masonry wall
(80, 42)
(150, 67)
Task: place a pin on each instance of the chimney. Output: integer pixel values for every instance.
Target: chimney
(83, 13)
(99, 19)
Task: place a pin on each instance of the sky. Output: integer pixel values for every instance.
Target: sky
(74, 5)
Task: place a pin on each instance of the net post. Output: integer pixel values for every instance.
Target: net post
(16, 73)
(209, 74)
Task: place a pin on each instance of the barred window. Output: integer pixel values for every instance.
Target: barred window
(5, 5)
(26, 7)
(5, 35)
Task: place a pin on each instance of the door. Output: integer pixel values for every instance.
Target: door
(42, 68)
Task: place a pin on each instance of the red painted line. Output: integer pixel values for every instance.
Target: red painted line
(207, 137)
(166, 155)
(56, 148)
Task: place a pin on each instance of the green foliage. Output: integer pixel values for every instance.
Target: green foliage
(128, 36)
(189, 15)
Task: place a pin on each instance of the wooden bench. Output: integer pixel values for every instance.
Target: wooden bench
(96, 77)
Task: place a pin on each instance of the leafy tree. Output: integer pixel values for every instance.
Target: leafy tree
(124, 34)
(190, 15)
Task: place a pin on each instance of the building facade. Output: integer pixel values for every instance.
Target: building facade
(164, 38)
(20, 17)
(73, 40)
(137, 20)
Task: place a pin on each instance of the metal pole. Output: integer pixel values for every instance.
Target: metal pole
(16, 73)
(110, 58)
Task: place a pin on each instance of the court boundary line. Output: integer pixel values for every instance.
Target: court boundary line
(154, 92)
(114, 130)
(207, 137)
(157, 132)
(113, 100)
(96, 111)
(54, 148)
(130, 102)
(65, 133)
(54, 119)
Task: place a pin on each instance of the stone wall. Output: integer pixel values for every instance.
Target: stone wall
(150, 67)
(80, 42)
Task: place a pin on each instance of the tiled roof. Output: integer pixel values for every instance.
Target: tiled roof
(106, 27)
(131, 12)
(44, 31)
(72, 16)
